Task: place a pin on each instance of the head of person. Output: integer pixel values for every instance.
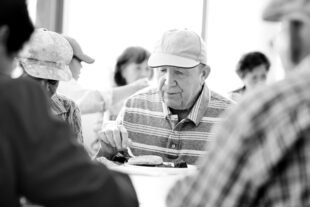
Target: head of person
(253, 69)
(15, 29)
(78, 57)
(180, 60)
(46, 59)
(293, 41)
(131, 65)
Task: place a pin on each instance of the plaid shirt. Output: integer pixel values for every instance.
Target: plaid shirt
(68, 111)
(153, 129)
(261, 156)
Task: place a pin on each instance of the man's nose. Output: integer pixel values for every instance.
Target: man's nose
(170, 79)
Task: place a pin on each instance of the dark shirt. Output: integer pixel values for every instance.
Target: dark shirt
(41, 160)
(237, 94)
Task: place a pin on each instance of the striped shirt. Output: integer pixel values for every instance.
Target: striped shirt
(65, 109)
(261, 156)
(154, 130)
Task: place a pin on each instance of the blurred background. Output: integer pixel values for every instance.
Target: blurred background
(105, 28)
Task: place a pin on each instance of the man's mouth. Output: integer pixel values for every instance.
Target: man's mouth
(172, 93)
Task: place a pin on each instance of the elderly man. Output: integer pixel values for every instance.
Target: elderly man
(261, 155)
(173, 120)
(39, 159)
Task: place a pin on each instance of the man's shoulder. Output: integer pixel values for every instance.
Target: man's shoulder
(64, 101)
(217, 98)
(146, 99)
(149, 93)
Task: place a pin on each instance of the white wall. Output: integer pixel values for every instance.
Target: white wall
(235, 28)
(106, 28)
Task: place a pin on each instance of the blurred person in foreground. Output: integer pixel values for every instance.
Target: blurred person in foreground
(46, 59)
(39, 158)
(172, 120)
(261, 156)
(252, 69)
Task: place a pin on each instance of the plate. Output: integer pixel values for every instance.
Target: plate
(153, 171)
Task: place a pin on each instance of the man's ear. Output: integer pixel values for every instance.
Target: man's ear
(205, 71)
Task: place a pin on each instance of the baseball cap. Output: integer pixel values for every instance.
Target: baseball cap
(278, 9)
(47, 56)
(180, 48)
(77, 51)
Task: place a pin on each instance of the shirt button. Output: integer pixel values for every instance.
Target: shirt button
(173, 146)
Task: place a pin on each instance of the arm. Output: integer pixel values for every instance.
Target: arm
(121, 93)
(75, 122)
(113, 137)
(53, 169)
(99, 101)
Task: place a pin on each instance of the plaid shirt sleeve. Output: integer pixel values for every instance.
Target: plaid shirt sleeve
(219, 176)
(250, 146)
(75, 122)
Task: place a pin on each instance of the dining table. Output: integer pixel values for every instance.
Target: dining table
(152, 184)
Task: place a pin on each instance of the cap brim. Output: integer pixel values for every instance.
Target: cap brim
(275, 10)
(272, 16)
(161, 59)
(85, 58)
(49, 71)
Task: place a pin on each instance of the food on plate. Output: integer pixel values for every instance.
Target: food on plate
(120, 157)
(180, 164)
(146, 160)
(107, 162)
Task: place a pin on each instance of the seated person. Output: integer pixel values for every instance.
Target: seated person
(252, 69)
(261, 155)
(46, 59)
(174, 119)
(130, 66)
(39, 159)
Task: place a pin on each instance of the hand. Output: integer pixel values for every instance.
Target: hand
(113, 138)
(91, 102)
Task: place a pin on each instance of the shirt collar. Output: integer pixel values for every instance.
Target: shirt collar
(198, 110)
(57, 106)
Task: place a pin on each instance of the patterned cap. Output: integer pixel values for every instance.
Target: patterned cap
(277, 9)
(180, 48)
(47, 56)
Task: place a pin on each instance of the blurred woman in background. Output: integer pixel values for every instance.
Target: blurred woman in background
(131, 66)
(252, 69)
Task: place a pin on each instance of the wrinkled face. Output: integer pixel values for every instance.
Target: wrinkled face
(256, 77)
(133, 71)
(180, 87)
(75, 67)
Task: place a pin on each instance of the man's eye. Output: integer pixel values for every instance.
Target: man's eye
(163, 70)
